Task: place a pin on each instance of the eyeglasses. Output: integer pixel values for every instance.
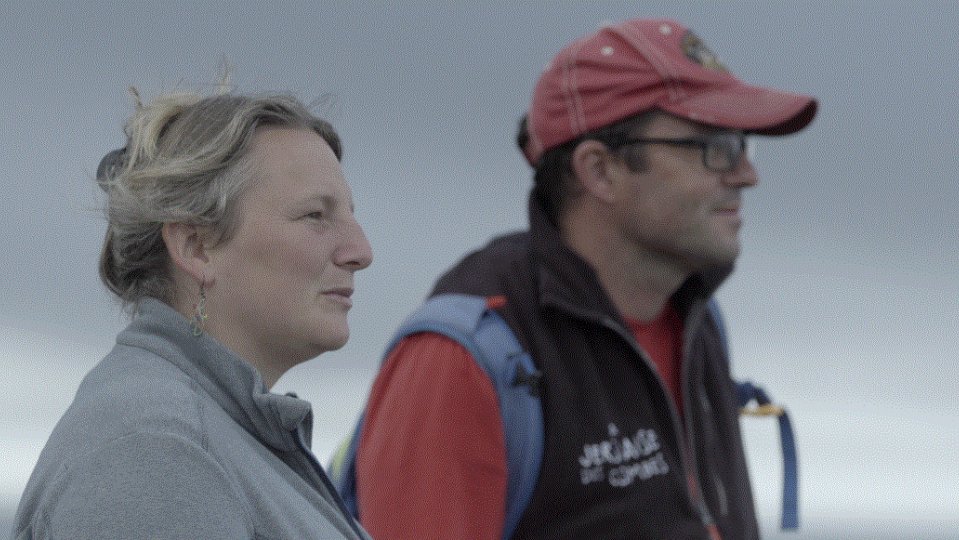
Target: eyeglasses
(722, 150)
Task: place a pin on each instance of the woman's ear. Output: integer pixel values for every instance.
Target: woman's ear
(591, 162)
(187, 247)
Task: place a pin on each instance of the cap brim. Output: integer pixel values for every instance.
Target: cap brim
(749, 108)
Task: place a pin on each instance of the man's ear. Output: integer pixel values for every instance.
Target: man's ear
(187, 247)
(591, 162)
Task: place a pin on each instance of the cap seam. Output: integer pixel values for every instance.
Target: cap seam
(655, 57)
(571, 93)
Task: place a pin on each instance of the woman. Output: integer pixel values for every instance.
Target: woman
(232, 239)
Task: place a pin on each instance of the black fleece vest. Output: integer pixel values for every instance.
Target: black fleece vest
(613, 463)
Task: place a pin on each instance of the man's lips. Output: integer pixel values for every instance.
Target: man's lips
(728, 208)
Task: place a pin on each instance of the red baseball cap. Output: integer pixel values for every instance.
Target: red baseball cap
(642, 64)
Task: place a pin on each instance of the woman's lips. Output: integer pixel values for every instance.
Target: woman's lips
(340, 295)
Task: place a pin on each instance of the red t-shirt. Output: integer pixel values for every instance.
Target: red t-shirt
(435, 426)
(662, 339)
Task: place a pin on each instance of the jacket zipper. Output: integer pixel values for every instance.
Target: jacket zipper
(324, 479)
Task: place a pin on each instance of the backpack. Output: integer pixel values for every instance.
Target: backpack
(754, 401)
(471, 321)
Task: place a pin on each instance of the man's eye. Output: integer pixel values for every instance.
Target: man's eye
(314, 215)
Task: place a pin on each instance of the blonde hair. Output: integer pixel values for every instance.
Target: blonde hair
(186, 160)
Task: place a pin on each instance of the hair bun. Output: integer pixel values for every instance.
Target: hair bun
(109, 166)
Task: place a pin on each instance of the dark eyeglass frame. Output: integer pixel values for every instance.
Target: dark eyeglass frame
(714, 144)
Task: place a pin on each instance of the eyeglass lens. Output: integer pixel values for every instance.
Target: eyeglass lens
(724, 150)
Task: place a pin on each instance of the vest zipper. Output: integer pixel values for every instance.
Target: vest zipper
(688, 461)
(708, 518)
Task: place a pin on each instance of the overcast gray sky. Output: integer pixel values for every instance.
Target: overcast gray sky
(845, 303)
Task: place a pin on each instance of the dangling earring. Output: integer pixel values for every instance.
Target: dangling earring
(199, 311)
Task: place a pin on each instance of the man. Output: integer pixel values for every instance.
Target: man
(638, 137)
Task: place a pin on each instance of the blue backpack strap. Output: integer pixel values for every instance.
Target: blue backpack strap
(342, 468)
(480, 330)
(746, 393)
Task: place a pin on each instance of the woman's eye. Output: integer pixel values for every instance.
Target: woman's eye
(314, 215)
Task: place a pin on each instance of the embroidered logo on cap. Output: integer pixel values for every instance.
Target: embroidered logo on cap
(698, 52)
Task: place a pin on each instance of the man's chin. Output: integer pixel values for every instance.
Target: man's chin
(720, 257)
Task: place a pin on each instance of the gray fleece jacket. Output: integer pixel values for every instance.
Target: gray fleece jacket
(174, 436)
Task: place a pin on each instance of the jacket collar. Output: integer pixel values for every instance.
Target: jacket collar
(231, 381)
